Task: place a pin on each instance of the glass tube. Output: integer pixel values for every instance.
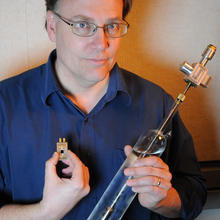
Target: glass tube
(118, 196)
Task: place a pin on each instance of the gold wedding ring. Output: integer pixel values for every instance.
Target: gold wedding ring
(158, 182)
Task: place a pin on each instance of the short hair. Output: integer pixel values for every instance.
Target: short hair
(52, 4)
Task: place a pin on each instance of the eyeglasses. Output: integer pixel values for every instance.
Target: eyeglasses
(86, 29)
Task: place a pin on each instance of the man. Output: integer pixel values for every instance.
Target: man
(81, 94)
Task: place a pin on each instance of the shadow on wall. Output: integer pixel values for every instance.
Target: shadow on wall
(22, 61)
(154, 49)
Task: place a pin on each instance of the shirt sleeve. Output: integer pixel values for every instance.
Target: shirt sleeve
(3, 197)
(4, 187)
(187, 178)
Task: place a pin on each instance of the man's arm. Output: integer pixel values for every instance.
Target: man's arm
(60, 195)
(23, 212)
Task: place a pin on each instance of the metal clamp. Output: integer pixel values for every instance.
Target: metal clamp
(197, 74)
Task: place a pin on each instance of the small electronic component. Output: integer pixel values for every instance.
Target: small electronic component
(62, 148)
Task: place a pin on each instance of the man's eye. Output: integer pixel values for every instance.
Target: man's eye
(82, 25)
(114, 26)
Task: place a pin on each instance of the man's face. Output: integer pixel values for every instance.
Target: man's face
(88, 59)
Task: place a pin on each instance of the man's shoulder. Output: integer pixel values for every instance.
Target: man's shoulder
(23, 88)
(140, 84)
(24, 80)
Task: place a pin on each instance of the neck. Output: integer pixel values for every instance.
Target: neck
(84, 94)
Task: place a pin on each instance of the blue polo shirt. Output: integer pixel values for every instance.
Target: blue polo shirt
(34, 113)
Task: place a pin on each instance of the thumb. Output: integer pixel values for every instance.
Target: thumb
(50, 168)
(127, 150)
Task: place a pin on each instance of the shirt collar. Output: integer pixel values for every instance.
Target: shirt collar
(49, 79)
(118, 85)
(117, 82)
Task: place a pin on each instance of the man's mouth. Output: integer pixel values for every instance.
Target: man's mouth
(98, 60)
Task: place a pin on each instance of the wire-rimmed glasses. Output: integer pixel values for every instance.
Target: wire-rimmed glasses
(87, 29)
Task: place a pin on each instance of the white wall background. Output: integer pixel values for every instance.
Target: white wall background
(23, 38)
(163, 34)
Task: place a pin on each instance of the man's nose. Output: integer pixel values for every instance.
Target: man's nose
(100, 38)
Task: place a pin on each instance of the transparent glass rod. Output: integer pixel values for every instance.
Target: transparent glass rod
(118, 196)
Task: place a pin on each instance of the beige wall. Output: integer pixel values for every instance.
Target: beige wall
(163, 34)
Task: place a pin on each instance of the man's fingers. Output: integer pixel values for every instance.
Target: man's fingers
(72, 162)
(76, 167)
(149, 181)
(51, 164)
(127, 150)
(148, 171)
(72, 158)
(50, 170)
(67, 170)
(152, 161)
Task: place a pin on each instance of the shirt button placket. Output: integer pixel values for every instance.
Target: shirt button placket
(85, 141)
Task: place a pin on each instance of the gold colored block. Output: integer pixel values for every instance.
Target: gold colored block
(62, 148)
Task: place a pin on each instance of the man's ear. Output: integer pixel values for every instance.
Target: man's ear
(51, 26)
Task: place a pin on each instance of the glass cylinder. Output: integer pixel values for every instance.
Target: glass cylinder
(118, 196)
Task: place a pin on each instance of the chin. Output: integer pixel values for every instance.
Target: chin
(101, 72)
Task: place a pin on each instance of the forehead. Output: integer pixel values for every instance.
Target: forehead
(96, 9)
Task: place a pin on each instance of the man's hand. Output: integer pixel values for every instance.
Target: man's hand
(60, 195)
(152, 182)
